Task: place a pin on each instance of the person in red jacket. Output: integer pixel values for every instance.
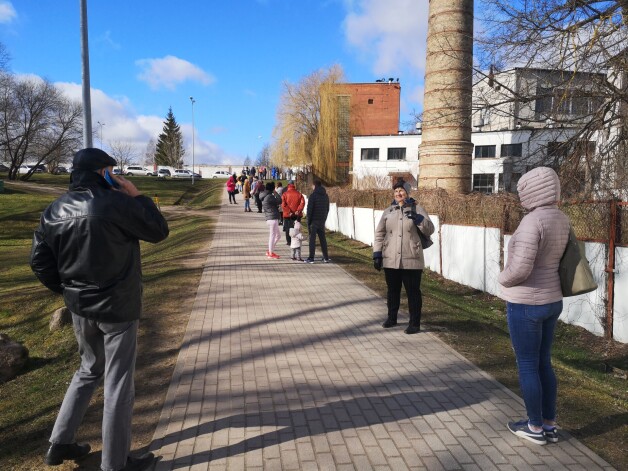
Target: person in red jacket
(292, 204)
(231, 188)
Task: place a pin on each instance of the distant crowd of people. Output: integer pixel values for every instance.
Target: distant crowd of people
(284, 207)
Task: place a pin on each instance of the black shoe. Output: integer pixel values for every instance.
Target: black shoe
(389, 323)
(57, 454)
(140, 463)
(412, 329)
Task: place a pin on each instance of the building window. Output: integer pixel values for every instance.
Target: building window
(397, 153)
(370, 154)
(482, 152)
(370, 101)
(514, 179)
(511, 150)
(483, 182)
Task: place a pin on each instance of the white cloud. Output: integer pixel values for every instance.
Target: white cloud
(389, 34)
(123, 124)
(7, 12)
(169, 71)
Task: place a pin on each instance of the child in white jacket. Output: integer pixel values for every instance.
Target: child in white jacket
(295, 244)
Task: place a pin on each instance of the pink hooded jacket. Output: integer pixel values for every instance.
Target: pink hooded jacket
(535, 249)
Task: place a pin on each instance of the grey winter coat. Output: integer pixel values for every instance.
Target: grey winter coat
(270, 204)
(535, 249)
(397, 237)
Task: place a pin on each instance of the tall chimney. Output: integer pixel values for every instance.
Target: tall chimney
(445, 151)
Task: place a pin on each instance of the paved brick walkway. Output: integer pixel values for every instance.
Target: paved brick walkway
(284, 365)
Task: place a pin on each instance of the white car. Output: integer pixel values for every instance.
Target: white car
(182, 173)
(221, 174)
(137, 170)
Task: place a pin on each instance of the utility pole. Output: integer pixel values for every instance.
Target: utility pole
(87, 101)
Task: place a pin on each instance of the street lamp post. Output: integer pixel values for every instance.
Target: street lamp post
(193, 101)
(101, 125)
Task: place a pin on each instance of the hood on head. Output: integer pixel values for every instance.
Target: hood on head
(539, 187)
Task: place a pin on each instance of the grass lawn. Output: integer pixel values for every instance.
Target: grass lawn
(172, 271)
(592, 404)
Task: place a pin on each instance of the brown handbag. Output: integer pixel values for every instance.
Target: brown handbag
(574, 270)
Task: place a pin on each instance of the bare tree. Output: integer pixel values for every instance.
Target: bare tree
(306, 132)
(37, 123)
(579, 49)
(124, 152)
(149, 153)
(263, 158)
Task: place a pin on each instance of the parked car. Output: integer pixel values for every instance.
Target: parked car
(27, 168)
(60, 170)
(4, 168)
(117, 171)
(184, 173)
(137, 170)
(221, 174)
(164, 173)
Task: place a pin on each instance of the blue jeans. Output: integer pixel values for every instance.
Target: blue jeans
(532, 334)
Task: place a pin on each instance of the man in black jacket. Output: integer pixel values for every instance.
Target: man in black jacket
(317, 210)
(87, 248)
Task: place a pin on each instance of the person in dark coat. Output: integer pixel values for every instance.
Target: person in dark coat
(87, 249)
(317, 210)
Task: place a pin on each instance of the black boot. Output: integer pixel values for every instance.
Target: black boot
(140, 463)
(390, 322)
(412, 329)
(57, 454)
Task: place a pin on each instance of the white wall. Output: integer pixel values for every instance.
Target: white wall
(471, 256)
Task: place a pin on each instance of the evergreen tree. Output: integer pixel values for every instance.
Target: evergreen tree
(169, 150)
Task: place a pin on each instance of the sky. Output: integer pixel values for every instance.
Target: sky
(232, 57)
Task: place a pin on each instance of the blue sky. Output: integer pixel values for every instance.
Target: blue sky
(232, 57)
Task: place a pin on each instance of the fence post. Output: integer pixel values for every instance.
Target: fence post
(610, 269)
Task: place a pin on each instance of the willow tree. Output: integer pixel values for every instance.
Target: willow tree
(307, 132)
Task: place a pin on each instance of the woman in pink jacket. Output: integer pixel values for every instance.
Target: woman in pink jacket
(231, 187)
(531, 286)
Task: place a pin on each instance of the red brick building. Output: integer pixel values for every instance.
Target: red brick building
(365, 109)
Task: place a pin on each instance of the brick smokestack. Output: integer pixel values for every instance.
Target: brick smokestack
(445, 152)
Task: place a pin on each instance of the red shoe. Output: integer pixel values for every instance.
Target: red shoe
(274, 255)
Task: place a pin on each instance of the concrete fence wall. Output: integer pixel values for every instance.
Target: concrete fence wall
(471, 256)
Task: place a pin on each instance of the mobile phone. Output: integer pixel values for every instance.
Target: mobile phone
(110, 180)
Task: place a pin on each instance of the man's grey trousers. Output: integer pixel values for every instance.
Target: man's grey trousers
(107, 349)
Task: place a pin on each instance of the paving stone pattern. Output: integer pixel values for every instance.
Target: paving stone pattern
(285, 366)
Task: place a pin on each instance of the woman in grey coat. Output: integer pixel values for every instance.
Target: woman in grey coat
(270, 205)
(531, 286)
(398, 249)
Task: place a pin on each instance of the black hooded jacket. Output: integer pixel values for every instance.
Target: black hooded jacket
(87, 248)
(318, 207)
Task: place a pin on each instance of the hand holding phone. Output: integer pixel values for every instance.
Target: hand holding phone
(111, 180)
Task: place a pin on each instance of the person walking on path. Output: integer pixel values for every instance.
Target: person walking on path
(231, 188)
(317, 210)
(270, 202)
(296, 240)
(530, 285)
(256, 188)
(246, 193)
(398, 249)
(292, 204)
(87, 248)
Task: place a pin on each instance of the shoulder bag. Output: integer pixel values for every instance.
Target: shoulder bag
(426, 241)
(574, 270)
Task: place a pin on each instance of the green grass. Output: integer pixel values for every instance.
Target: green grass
(30, 402)
(592, 404)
